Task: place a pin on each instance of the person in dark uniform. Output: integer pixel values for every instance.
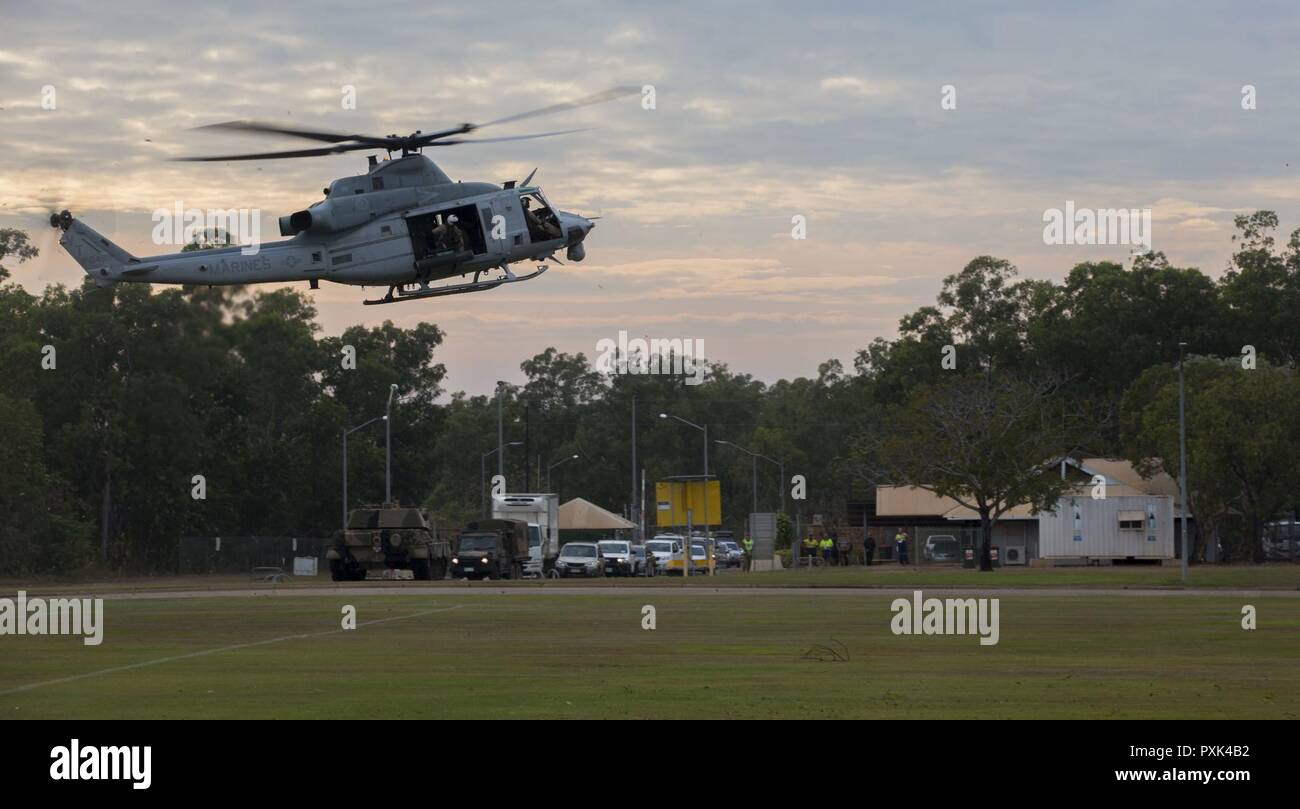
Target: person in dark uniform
(869, 549)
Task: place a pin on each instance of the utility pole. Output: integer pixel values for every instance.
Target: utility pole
(346, 433)
(708, 531)
(388, 446)
(632, 502)
(501, 434)
(1182, 458)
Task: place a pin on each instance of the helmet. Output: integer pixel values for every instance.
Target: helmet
(451, 219)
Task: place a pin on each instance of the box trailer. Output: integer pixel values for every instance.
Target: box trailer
(1108, 528)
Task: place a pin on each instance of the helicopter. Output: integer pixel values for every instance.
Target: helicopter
(404, 223)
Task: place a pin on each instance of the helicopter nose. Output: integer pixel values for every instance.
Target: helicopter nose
(576, 227)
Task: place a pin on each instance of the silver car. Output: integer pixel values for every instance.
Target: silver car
(618, 557)
(730, 554)
(580, 559)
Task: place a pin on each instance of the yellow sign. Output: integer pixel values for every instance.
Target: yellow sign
(674, 497)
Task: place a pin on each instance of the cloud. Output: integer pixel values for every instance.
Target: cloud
(829, 111)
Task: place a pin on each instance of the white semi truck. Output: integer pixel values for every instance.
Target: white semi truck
(542, 513)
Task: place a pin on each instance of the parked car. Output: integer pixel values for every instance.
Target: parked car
(730, 554)
(617, 554)
(580, 559)
(666, 548)
(941, 548)
(643, 562)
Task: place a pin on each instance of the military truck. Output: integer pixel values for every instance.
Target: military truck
(387, 537)
(491, 549)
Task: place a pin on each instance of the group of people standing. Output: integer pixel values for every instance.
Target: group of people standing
(835, 551)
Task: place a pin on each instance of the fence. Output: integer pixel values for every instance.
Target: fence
(918, 541)
(198, 555)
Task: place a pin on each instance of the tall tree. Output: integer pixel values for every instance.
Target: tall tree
(989, 441)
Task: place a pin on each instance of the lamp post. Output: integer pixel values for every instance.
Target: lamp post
(501, 432)
(565, 459)
(755, 456)
(1182, 457)
(346, 433)
(482, 492)
(388, 446)
(708, 532)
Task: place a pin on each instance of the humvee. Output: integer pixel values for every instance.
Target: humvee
(387, 537)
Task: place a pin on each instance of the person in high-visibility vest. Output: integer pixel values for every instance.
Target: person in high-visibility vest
(748, 545)
(827, 545)
(900, 546)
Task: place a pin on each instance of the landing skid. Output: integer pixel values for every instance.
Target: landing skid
(411, 292)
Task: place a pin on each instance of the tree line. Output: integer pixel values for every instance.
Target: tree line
(114, 399)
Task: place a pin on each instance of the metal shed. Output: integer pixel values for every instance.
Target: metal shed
(1123, 527)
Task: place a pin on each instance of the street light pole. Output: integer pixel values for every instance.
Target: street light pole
(346, 433)
(501, 433)
(388, 446)
(633, 501)
(708, 531)
(482, 490)
(566, 458)
(1182, 457)
(755, 456)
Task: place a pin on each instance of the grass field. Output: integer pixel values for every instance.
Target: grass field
(1270, 576)
(734, 655)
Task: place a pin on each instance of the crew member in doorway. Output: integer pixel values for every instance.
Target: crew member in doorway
(448, 235)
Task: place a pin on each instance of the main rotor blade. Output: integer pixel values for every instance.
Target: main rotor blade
(257, 128)
(586, 101)
(454, 141)
(346, 147)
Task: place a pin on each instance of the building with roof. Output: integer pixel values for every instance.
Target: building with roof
(1111, 514)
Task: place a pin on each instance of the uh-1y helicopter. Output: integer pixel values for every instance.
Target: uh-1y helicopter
(404, 223)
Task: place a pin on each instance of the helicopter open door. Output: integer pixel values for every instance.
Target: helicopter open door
(543, 225)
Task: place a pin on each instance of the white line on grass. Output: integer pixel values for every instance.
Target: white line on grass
(206, 652)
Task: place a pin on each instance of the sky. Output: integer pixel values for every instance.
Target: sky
(763, 112)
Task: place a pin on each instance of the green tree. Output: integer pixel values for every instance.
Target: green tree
(990, 442)
(1242, 428)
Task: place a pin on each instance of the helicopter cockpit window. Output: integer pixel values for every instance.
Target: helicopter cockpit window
(543, 225)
